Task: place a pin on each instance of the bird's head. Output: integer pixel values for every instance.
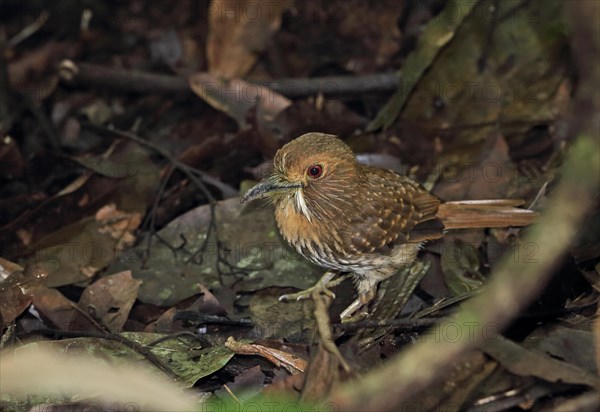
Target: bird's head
(309, 172)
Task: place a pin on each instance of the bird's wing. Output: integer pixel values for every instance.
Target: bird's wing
(394, 210)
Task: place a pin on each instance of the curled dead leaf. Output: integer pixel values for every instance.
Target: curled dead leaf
(292, 363)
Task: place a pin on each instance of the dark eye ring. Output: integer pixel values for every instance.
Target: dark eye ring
(315, 171)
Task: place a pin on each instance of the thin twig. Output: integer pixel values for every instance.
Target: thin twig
(235, 398)
(187, 334)
(152, 214)
(89, 318)
(189, 171)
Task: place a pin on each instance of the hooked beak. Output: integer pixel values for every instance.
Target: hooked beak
(268, 186)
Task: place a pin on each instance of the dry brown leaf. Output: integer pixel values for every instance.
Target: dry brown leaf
(13, 299)
(16, 286)
(111, 299)
(118, 224)
(236, 97)
(239, 31)
(78, 251)
(54, 306)
(292, 363)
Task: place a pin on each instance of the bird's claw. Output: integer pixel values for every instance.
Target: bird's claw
(307, 293)
(321, 287)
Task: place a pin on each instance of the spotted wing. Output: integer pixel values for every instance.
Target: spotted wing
(394, 210)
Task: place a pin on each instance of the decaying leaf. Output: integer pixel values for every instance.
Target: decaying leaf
(435, 36)
(78, 251)
(248, 246)
(13, 298)
(525, 362)
(111, 299)
(483, 79)
(54, 307)
(292, 363)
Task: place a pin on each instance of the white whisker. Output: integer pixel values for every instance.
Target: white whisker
(301, 205)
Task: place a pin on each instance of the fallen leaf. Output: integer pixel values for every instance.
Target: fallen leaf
(292, 363)
(54, 306)
(13, 298)
(438, 32)
(78, 251)
(482, 79)
(566, 344)
(111, 298)
(525, 362)
(236, 97)
(16, 288)
(248, 247)
(239, 31)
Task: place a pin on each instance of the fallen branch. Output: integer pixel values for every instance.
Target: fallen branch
(92, 75)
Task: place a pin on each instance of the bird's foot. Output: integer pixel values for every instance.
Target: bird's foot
(322, 287)
(354, 312)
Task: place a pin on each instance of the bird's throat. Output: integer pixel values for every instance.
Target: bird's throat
(294, 218)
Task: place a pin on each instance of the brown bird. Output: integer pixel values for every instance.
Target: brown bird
(350, 217)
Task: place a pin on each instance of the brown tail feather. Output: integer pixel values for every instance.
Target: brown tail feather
(484, 213)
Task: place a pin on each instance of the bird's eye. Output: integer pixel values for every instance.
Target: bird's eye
(315, 171)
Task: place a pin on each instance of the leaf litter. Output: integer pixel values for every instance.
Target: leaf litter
(111, 248)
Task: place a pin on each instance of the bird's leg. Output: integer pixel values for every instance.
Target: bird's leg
(364, 298)
(322, 286)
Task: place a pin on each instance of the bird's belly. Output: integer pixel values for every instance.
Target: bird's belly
(380, 265)
(323, 258)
